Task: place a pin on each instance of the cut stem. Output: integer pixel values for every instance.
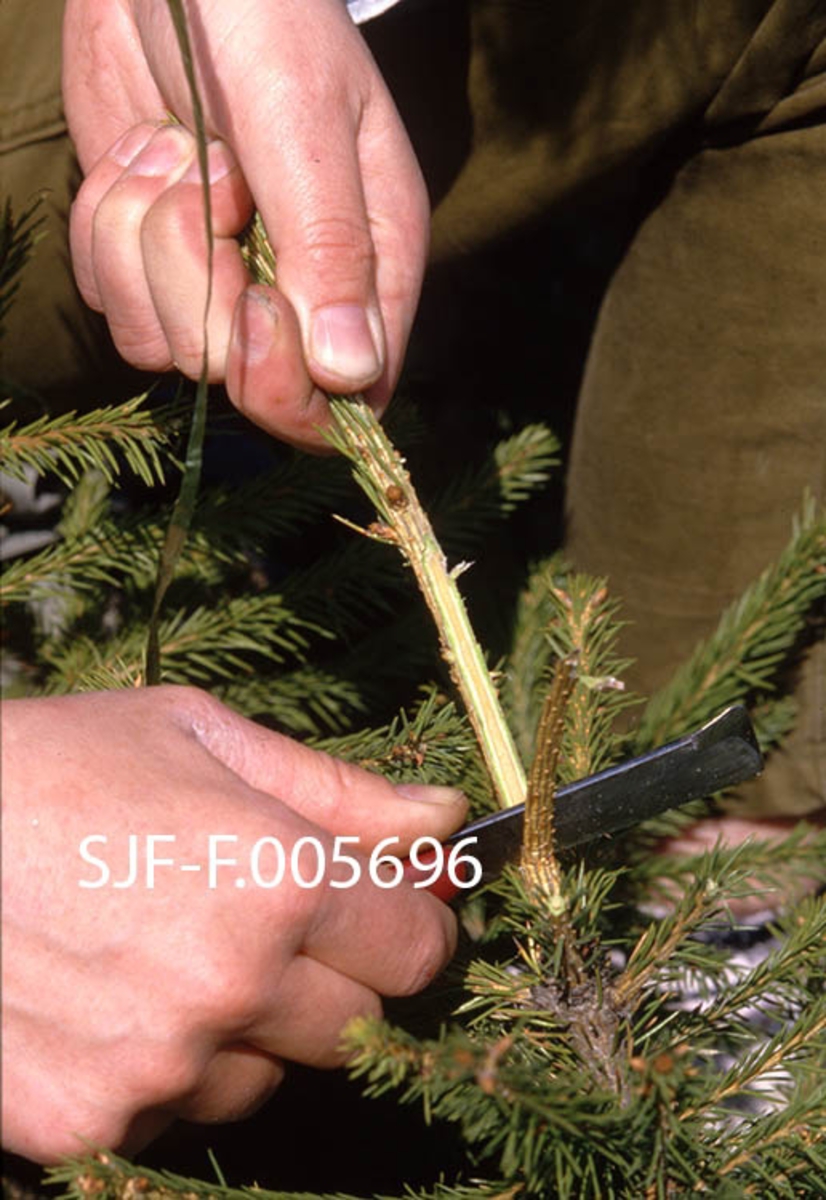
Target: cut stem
(379, 469)
(538, 862)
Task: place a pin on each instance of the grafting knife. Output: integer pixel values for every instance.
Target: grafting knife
(723, 752)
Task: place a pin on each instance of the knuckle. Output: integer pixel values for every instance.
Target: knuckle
(174, 219)
(187, 344)
(218, 729)
(81, 215)
(165, 1078)
(142, 345)
(238, 1001)
(189, 702)
(340, 243)
(370, 1007)
(426, 958)
(224, 990)
(95, 1118)
(336, 791)
(120, 212)
(305, 913)
(165, 218)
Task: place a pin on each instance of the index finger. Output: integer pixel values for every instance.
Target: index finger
(341, 797)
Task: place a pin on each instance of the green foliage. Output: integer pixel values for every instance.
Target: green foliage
(108, 1177)
(583, 623)
(478, 496)
(608, 1086)
(105, 439)
(433, 744)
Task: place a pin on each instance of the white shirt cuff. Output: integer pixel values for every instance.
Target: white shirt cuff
(365, 10)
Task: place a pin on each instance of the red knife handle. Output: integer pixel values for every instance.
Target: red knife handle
(443, 887)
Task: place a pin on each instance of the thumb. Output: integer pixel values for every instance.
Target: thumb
(339, 796)
(294, 119)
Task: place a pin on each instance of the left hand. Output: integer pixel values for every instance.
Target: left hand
(303, 128)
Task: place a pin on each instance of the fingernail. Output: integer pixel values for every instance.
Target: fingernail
(167, 151)
(256, 325)
(220, 162)
(424, 793)
(342, 342)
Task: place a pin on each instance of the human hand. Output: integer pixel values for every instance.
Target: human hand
(302, 127)
(127, 1006)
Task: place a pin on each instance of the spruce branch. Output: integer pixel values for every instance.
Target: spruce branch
(779, 1052)
(108, 555)
(536, 1125)
(525, 678)
(432, 744)
(86, 507)
(772, 864)
(488, 1086)
(774, 718)
(583, 625)
(380, 471)
(213, 642)
(70, 444)
(661, 940)
(106, 1176)
(94, 673)
(201, 646)
(276, 503)
(116, 552)
(781, 1153)
(355, 582)
(350, 587)
(390, 655)
(482, 495)
(308, 702)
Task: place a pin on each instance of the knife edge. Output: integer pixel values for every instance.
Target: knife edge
(720, 754)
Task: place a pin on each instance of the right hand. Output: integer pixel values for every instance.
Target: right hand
(126, 1007)
(304, 129)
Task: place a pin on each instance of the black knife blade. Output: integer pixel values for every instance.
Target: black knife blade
(720, 754)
